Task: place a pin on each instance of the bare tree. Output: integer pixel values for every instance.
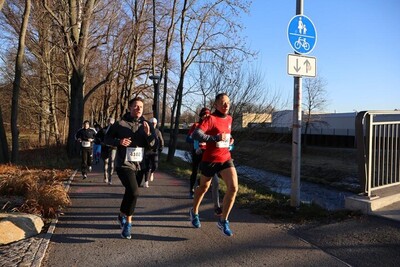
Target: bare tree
(315, 99)
(4, 157)
(205, 27)
(74, 17)
(246, 88)
(3, 138)
(166, 60)
(17, 83)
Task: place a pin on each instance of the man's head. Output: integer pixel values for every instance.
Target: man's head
(204, 112)
(136, 107)
(222, 103)
(111, 121)
(86, 124)
(153, 121)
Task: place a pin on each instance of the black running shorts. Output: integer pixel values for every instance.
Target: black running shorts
(209, 169)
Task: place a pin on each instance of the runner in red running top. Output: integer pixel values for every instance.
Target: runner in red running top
(215, 130)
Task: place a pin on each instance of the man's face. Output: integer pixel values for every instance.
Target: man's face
(223, 104)
(136, 109)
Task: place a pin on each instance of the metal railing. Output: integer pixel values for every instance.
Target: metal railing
(378, 145)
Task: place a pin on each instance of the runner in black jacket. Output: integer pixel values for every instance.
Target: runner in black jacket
(85, 136)
(131, 135)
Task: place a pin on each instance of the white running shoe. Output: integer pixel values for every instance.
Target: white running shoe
(151, 177)
(146, 184)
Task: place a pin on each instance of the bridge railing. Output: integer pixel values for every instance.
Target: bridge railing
(378, 146)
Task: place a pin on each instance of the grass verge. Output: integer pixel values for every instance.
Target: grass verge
(261, 201)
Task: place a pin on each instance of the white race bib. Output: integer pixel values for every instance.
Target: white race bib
(134, 154)
(224, 143)
(85, 143)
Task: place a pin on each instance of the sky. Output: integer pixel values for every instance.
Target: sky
(357, 49)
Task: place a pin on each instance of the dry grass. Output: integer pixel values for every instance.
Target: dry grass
(33, 190)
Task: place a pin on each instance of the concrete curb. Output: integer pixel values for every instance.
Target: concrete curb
(44, 244)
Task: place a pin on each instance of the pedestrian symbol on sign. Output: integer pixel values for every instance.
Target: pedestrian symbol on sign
(302, 35)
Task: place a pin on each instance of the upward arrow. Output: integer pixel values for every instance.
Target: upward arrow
(297, 68)
(308, 65)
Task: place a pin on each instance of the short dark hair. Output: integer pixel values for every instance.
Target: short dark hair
(137, 98)
(220, 95)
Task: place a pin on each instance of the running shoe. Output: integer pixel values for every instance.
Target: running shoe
(126, 231)
(121, 220)
(146, 184)
(90, 168)
(218, 211)
(194, 219)
(151, 177)
(84, 176)
(223, 225)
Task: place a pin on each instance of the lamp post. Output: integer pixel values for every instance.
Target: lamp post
(156, 82)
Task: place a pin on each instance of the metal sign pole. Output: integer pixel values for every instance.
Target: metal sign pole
(296, 131)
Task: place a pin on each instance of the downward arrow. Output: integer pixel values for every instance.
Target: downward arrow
(297, 68)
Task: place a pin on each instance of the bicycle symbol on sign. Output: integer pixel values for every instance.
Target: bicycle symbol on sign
(301, 42)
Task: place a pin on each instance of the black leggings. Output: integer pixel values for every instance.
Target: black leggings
(128, 180)
(196, 159)
(87, 156)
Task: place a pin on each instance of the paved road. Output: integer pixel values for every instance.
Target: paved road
(88, 233)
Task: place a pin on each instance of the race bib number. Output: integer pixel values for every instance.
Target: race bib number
(224, 143)
(134, 154)
(85, 143)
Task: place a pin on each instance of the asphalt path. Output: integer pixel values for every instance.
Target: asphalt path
(88, 233)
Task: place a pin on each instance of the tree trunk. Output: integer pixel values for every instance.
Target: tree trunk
(17, 83)
(170, 35)
(4, 157)
(174, 131)
(53, 117)
(75, 111)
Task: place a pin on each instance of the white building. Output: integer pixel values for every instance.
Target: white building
(320, 123)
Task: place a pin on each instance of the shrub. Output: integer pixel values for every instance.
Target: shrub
(42, 190)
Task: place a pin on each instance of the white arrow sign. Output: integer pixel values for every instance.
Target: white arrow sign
(301, 66)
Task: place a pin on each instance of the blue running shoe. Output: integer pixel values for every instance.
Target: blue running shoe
(126, 231)
(223, 225)
(194, 219)
(121, 220)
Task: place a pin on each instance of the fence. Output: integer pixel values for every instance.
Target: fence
(378, 145)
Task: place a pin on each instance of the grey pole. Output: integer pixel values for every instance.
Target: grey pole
(296, 131)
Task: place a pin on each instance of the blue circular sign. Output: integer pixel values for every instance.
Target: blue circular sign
(302, 34)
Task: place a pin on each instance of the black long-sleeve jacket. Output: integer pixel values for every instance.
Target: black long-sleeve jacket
(86, 135)
(129, 127)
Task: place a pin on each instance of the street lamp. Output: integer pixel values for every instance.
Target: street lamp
(156, 82)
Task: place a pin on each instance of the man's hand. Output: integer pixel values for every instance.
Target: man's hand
(125, 141)
(222, 137)
(146, 128)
